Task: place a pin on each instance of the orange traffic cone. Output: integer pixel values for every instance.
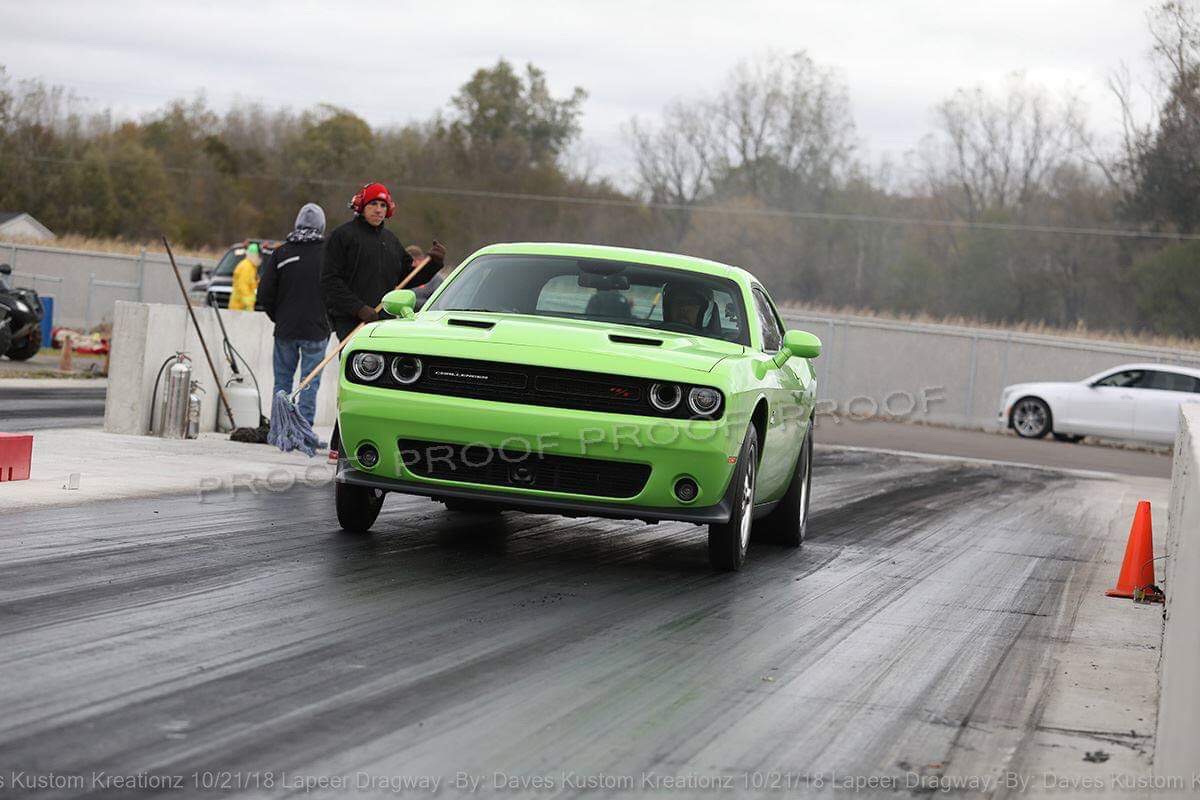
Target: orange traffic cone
(1137, 570)
(64, 360)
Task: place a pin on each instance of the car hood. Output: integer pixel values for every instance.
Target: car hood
(590, 339)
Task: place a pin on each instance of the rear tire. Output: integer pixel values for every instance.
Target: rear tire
(28, 348)
(1031, 418)
(357, 506)
(788, 523)
(727, 541)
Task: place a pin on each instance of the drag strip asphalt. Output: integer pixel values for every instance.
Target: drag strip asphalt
(917, 630)
(39, 408)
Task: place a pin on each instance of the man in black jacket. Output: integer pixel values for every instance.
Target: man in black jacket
(364, 261)
(290, 293)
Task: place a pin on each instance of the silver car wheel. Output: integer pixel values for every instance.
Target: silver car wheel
(805, 485)
(747, 501)
(1029, 417)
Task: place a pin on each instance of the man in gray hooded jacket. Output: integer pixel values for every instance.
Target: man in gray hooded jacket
(290, 293)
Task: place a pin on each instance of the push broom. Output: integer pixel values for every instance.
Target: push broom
(289, 429)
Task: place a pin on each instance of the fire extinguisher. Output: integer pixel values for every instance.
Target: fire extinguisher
(173, 416)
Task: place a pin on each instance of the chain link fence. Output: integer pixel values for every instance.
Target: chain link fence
(85, 285)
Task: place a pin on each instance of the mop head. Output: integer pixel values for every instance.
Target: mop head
(289, 430)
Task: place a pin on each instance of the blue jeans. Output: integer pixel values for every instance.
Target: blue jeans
(308, 353)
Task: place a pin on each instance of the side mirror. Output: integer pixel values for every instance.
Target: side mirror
(5, 269)
(197, 273)
(798, 344)
(400, 303)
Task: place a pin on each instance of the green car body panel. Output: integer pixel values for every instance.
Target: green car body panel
(770, 388)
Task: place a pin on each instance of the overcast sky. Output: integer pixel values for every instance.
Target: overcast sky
(397, 61)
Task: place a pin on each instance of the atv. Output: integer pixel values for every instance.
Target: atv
(21, 315)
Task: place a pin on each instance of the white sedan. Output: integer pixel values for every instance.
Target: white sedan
(1132, 401)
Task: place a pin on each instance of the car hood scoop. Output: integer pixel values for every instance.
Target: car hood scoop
(554, 333)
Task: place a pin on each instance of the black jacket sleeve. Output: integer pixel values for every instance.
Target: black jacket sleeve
(424, 274)
(268, 288)
(336, 268)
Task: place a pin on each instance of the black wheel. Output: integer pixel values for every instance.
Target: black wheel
(357, 506)
(727, 541)
(28, 348)
(461, 506)
(1031, 418)
(789, 521)
(1070, 438)
(5, 336)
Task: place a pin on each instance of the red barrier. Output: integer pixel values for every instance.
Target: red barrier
(16, 453)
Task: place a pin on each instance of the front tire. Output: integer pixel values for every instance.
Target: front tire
(28, 348)
(1031, 418)
(788, 523)
(728, 541)
(357, 506)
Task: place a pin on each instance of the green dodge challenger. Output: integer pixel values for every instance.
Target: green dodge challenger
(585, 381)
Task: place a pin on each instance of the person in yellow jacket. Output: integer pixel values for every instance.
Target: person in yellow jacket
(245, 280)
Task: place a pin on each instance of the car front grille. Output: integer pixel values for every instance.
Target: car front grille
(536, 386)
(478, 463)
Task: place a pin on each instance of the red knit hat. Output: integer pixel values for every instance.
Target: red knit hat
(373, 191)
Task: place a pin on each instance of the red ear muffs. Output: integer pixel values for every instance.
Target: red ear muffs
(372, 191)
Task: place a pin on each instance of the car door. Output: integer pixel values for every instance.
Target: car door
(1105, 408)
(784, 390)
(1157, 401)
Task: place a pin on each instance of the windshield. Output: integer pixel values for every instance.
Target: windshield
(616, 292)
(229, 261)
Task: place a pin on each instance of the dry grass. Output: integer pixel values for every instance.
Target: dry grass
(1080, 331)
(76, 242)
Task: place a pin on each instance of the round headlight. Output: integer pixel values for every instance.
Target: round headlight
(704, 401)
(367, 366)
(406, 369)
(665, 396)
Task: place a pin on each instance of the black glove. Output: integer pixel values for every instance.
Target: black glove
(437, 253)
(367, 314)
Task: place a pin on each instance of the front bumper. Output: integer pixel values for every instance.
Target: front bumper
(702, 450)
(708, 515)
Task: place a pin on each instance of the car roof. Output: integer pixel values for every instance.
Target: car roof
(651, 257)
(1193, 372)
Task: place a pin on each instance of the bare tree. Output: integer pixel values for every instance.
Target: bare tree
(994, 153)
(785, 128)
(674, 160)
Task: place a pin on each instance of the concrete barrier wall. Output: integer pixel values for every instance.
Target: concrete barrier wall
(145, 334)
(87, 285)
(953, 375)
(1177, 742)
(940, 374)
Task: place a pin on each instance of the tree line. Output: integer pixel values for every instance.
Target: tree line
(1010, 210)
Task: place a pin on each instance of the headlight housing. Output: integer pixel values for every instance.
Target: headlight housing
(367, 366)
(665, 396)
(406, 369)
(703, 400)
